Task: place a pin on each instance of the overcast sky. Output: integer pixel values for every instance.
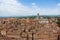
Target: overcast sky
(29, 7)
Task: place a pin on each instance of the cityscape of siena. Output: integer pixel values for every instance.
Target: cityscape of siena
(29, 19)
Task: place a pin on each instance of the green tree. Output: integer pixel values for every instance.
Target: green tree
(58, 22)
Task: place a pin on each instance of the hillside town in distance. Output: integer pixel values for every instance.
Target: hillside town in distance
(37, 28)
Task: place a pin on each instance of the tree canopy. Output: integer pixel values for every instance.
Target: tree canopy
(58, 22)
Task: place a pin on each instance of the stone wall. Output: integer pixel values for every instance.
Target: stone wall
(27, 29)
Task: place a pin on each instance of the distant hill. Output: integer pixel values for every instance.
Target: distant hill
(44, 16)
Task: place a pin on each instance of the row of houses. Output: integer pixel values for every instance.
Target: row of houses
(28, 29)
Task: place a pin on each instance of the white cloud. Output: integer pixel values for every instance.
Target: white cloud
(46, 11)
(13, 8)
(58, 4)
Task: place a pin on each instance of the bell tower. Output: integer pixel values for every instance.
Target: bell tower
(38, 16)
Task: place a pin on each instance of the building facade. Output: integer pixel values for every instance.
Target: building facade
(28, 29)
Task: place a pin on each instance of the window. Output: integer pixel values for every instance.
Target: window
(58, 37)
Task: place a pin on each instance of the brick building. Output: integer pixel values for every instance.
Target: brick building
(28, 29)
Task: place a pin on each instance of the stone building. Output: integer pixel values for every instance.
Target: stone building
(28, 29)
